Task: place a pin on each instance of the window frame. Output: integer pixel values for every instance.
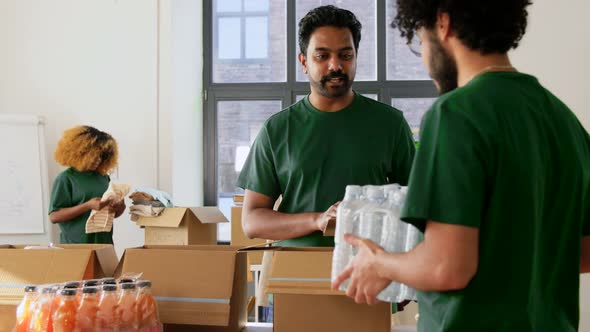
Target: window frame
(242, 15)
(286, 91)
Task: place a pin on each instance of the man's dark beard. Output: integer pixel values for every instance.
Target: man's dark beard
(337, 92)
(443, 68)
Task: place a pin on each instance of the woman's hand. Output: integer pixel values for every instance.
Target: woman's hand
(97, 204)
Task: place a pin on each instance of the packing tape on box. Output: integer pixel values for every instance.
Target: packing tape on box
(191, 300)
(13, 285)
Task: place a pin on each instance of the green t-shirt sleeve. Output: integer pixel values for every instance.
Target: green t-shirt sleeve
(586, 225)
(61, 194)
(448, 178)
(404, 155)
(259, 172)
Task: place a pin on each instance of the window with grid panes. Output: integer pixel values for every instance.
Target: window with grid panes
(251, 72)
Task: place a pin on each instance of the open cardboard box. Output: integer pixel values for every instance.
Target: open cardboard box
(182, 226)
(239, 238)
(194, 285)
(300, 280)
(20, 267)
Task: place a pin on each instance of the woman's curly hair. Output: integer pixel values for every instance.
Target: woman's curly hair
(489, 26)
(80, 146)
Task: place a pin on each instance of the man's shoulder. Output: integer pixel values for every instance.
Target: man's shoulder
(381, 109)
(279, 119)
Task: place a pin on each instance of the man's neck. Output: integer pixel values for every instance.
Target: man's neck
(472, 63)
(326, 104)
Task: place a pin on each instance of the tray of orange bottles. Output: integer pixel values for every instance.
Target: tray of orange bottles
(97, 305)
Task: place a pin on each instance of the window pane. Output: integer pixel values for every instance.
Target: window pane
(238, 123)
(256, 5)
(263, 55)
(402, 64)
(224, 6)
(368, 95)
(256, 44)
(413, 109)
(229, 41)
(365, 11)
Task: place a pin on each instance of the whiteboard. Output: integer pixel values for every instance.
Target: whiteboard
(23, 169)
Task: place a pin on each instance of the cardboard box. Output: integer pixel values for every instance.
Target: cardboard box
(193, 285)
(239, 238)
(21, 267)
(183, 226)
(304, 301)
(330, 228)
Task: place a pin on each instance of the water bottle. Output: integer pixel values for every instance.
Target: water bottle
(344, 224)
(372, 216)
(393, 234)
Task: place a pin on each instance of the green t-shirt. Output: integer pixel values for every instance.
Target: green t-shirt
(309, 156)
(72, 188)
(506, 156)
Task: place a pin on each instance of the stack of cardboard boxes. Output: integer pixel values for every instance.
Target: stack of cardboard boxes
(303, 298)
(195, 281)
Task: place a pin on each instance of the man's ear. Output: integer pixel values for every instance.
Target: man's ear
(303, 60)
(443, 26)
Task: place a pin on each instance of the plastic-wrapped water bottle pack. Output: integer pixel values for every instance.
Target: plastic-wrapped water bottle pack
(373, 212)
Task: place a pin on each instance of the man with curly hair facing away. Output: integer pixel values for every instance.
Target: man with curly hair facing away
(500, 184)
(90, 154)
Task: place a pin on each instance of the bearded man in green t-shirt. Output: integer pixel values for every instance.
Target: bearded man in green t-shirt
(500, 184)
(334, 137)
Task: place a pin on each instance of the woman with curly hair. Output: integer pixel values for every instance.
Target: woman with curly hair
(500, 185)
(90, 154)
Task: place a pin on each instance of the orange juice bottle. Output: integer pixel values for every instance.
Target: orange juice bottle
(76, 286)
(90, 283)
(146, 308)
(127, 307)
(107, 281)
(86, 315)
(107, 319)
(64, 318)
(41, 320)
(25, 309)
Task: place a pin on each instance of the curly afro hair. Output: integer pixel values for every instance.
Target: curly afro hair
(80, 146)
(328, 16)
(488, 26)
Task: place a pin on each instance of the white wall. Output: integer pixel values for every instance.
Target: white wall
(556, 49)
(90, 62)
(132, 68)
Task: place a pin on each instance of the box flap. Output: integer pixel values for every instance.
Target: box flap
(170, 217)
(23, 267)
(194, 282)
(209, 214)
(330, 228)
(107, 258)
(105, 254)
(301, 271)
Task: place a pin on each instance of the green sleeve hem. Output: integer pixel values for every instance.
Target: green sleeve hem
(263, 191)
